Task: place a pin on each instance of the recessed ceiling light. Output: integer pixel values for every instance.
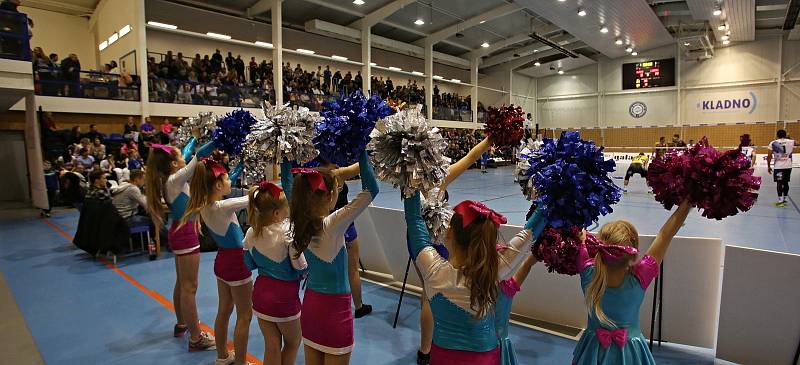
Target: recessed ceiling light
(417, 73)
(218, 36)
(263, 44)
(437, 77)
(581, 12)
(560, 72)
(537, 63)
(725, 37)
(419, 22)
(162, 25)
(686, 44)
(125, 30)
(455, 80)
(485, 45)
(618, 42)
(481, 22)
(561, 1)
(604, 30)
(340, 58)
(721, 27)
(634, 53)
(306, 51)
(103, 45)
(373, 64)
(717, 11)
(535, 51)
(629, 49)
(113, 38)
(726, 42)
(358, 2)
(395, 68)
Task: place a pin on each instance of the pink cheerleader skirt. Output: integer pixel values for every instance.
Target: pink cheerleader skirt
(442, 356)
(183, 240)
(276, 300)
(229, 266)
(327, 322)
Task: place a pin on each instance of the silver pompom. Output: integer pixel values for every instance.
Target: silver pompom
(437, 214)
(284, 132)
(205, 122)
(409, 154)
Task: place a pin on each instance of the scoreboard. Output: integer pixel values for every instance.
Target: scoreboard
(647, 74)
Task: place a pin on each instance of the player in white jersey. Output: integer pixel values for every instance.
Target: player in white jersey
(781, 151)
(747, 148)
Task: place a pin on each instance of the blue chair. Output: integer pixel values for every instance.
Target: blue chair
(142, 228)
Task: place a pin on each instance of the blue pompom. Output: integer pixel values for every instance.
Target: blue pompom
(343, 131)
(571, 179)
(232, 130)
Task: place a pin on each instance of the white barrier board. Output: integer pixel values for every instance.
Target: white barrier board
(759, 320)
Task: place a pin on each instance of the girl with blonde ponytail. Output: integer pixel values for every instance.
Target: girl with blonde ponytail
(614, 283)
(463, 291)
(168, 174)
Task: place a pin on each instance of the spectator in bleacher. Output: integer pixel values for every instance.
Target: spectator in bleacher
(134, 161)
(677, 141)
(335, 82)
(83, 143)
(75, 135)
(84, 159)
(147, 129)
(130, 132)
(93, 133)
(71, 73)
(43, 68)
(97, 186)
(108, 164)
(127, 198)
(10, 5)
(98, 150)
(185, 94)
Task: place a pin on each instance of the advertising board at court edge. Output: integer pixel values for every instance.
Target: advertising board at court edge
(746, 103)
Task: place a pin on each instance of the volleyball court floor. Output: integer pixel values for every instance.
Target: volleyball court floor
(82, 311)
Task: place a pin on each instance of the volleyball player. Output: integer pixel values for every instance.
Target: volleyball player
(781, 150)
(638, 166)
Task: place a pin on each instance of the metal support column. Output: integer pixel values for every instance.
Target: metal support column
(33, 153)
(429, 78)
(277, 51)
(141, 59)
(473, 80)
(366, 59)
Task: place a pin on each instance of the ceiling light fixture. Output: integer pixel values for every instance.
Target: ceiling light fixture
(419, 22)
(561, 1)
(725, 37)
(306, 51)
(395, 68)
(726, 42)
(537, 63)
(456, 80)
(162, 25)
(373, 64)
(103, 45)
(717, 11)
(634, 53)
(358, 2)
(686, 44)
(438, 77)
(218, 36)
(629, 49)
(125, 30)
(560, 71)
(263, 44)
(485, 45)
(618, 42)
(417, 73)
(604, 29)
(340, 58)
(721, 27)
(581, 12)
(481, 22)
(113, 38)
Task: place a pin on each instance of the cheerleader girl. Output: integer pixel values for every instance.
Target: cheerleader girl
(508, 289)
(614, 284)
(276, 299)
(426, 317)
(463, 291)
(234, 283)
(327, 320)
(167, 176)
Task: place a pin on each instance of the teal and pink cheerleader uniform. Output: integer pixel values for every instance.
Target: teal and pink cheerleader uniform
(327, 320)
(459, 337)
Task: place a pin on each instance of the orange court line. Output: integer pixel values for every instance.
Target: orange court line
(150, 293)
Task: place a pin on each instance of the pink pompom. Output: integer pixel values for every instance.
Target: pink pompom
(559, 249)
(505, 125)
(721, 184)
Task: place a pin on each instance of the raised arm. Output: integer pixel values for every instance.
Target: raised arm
(458, 168)
(341, 218)
(511, 258)
(659, 247)
(287, 179)
(233, 205)
(416, 229)
(347, 173)
(368, 181)
(524, 269)
(188, 150)
(234, 174)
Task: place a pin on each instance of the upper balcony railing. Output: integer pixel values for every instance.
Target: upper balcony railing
(86, 84)
(14, 36)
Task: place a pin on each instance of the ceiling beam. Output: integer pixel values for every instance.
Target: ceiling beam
(345, 10)
(741, 16)
(524, 51)
(382, 13)
(541, 28)
(446, 32)
(58, 6)
(547, 53)
(261, 7)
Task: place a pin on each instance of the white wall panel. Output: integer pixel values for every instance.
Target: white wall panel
(756, 103)
(568, 113)
(660, 109)
(740, 62)
(579, 81)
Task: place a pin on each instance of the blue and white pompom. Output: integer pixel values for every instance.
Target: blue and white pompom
(571, 180)
(232, 129)
(344, 128)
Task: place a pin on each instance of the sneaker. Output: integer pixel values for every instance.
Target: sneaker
(423, 359)
(205, 343)
(179, 330)
(230, 360)
(780, 204)
(363, 311)
(625, 191)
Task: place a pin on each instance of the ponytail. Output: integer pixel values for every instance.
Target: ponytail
(306, 209)
(597, 287)
(200, 188)
(159, 167)
(260, 205)
(478, 243)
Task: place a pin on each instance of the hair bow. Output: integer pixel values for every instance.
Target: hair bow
(471, 210)
(215, 167)
(610, 253)
(273, 189)
(314, 178)
(163, 147)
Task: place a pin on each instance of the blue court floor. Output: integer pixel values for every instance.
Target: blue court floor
(79, 311)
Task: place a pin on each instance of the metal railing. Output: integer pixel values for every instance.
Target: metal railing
(14, 36)
(85, 84)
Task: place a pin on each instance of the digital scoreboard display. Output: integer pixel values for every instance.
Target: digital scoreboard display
(643, 75)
